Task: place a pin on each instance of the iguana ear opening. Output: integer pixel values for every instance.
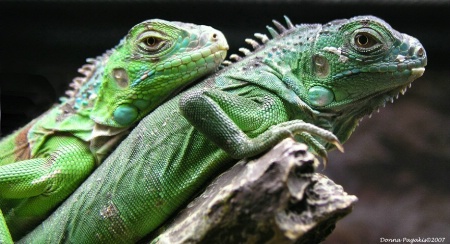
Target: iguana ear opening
(121, 77)
(321, 65)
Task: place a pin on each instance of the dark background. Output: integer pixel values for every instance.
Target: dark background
(397, 163)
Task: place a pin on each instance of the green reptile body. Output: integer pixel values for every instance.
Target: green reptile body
(45, 161)
(311, 82)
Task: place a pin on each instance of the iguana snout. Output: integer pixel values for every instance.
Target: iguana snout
(412, 56)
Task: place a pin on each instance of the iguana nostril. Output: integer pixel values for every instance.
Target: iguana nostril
(420, 52)
(214, 37)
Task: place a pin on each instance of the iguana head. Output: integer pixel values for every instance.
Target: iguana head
(334, 74)
(153, 61)
(355, 66)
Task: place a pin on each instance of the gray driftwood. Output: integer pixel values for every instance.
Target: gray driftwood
(277, 198)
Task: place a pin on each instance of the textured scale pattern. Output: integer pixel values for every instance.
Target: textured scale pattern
(286, 87)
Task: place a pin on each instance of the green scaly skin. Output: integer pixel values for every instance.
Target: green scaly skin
(311, 81)
(44, 162)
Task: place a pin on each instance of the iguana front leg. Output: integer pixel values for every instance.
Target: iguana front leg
(247, 124)
(38, 181)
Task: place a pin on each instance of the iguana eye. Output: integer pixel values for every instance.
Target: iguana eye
(152, 44)
(365, 40)
(151, 41)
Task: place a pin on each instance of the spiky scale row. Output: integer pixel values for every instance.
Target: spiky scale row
(282, 30)
(255, 45)
(262, 37)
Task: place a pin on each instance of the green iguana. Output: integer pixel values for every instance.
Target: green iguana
(45, 161)
(310, 81)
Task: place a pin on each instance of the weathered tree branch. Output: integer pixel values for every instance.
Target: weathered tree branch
(277, 198)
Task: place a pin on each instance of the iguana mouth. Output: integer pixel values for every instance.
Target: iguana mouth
(392, 91)
(388, 95)
(380, 98)
(415, 66)
(401, 89)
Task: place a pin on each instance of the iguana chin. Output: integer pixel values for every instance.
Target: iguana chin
(310, 81)
(42, 163)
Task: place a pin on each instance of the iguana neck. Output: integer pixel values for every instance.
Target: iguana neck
(77, 107)
(280, 58)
